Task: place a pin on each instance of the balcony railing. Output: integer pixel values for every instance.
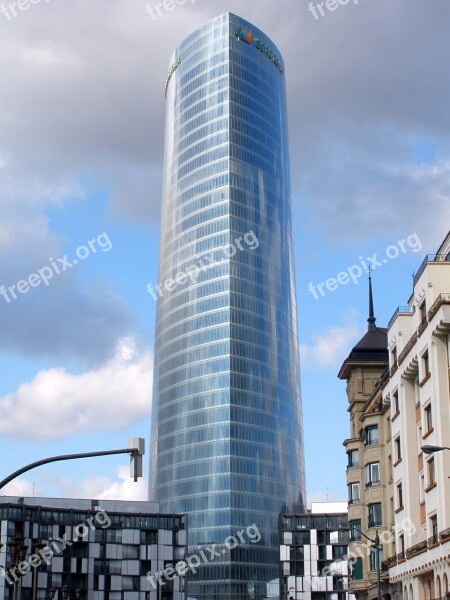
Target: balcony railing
(416, 548)
(422, 326)
(401, 310)
(440, 300)
(404, 353)
(429, 259)
(444, 535)
(434, 539)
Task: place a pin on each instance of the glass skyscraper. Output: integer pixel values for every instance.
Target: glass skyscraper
(227, 439)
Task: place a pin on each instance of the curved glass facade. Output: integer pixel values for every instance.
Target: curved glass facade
(227, 440)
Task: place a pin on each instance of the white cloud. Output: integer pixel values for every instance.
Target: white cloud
(97, 486)
(125, 489)
(56, 403)
(19, 487)
(329, 348)
(322, 496)
(100, 487)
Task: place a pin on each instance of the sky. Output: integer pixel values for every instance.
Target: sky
(81, 142)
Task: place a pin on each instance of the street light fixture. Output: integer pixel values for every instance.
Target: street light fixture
(136, 449)
(375, 544)
(431, 449)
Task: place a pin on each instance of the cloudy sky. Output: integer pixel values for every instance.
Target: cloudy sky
(81, 138)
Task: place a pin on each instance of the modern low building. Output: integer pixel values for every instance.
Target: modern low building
(368, 451)
(89, 550)
(313, 553)
(417, 390)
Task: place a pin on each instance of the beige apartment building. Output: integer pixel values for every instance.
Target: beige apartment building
(369, 478)
(368, 471)
(417, 390)
(398, 389)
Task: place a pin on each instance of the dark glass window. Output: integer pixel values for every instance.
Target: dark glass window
(371, 435)
(375, 515)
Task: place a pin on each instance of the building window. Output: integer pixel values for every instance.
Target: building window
(401, 545)
(371, 435)
(431, 474)
(130, 552)
(394, 356)
(357, 569)
(425, 365)
(353, 458)
(423, 311)
(434, 529)
(353, 493)
(422, 317)
(422, 487)
(395, 403)
(373, 474)
(374, 558)
(355, 530)
(374, 515)
(428, 418)
(400, 496)
(398, 448)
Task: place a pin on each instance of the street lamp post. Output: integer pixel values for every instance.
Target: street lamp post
(375, 544)
(136, 449)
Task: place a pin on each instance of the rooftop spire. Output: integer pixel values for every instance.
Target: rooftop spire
(371, 320)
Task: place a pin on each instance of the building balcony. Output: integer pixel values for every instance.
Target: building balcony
(422, 326)
(416, 549)
(407, 349)
(440, 301)
(430, 258)
(401, 310)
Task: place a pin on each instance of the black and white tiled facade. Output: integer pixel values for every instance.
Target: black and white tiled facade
(102, 550)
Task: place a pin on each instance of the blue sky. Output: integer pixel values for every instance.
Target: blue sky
(80, 156)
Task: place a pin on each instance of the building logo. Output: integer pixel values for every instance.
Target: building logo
(245, 34)
(172, 70)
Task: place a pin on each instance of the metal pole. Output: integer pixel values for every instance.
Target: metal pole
(377, 542)
(35, 577)
(64, 457)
